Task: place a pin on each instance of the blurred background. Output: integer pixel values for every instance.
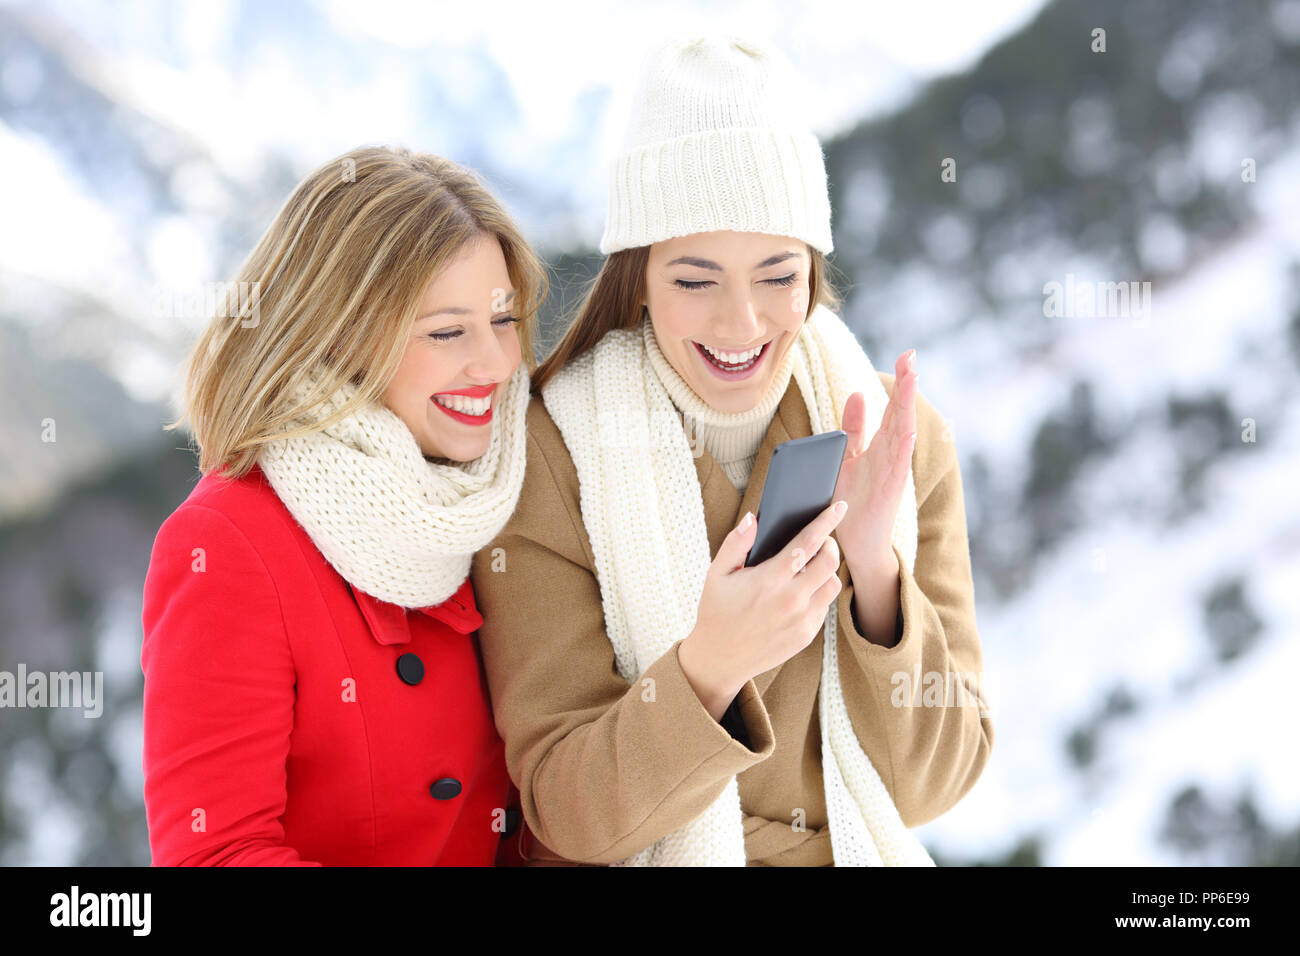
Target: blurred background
(1130, 472)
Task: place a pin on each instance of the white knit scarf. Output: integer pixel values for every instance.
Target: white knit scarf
(644, 514)
(394, 524)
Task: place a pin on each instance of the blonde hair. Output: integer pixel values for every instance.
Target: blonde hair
(336, 281)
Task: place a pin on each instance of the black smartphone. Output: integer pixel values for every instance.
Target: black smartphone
(800, 482)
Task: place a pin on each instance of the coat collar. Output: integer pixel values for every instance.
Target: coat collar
(389, 624)
(724, 505)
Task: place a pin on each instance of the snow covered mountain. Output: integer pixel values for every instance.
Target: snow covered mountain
(1129, 474)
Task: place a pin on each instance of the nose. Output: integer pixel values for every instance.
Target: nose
(737, 322)
(495, 357)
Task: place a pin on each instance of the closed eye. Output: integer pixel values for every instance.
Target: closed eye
(447, 335)
(705, 283)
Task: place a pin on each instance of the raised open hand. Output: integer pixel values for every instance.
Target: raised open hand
(872, 476)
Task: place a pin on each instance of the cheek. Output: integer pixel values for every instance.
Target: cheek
(516, 349)
(790, 306)
(673, 319)
(411, 386)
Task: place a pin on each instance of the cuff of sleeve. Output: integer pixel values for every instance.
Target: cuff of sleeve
(749, 722)
(905, 655)
(693, 730)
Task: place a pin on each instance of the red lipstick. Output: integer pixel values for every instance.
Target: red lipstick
(477, 391)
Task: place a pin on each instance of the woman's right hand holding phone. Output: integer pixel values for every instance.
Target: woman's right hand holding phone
(752, 619)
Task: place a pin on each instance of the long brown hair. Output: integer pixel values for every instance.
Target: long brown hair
(337, 279)
(614, 302)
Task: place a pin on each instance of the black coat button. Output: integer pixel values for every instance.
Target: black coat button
(445, 789)
(410, 668)
(513, 819)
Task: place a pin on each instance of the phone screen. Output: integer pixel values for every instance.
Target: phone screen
(800, 482)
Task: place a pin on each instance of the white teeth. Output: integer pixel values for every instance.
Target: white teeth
(732, 358)
(464, 404)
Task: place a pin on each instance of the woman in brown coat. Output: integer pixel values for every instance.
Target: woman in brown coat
(714, 298)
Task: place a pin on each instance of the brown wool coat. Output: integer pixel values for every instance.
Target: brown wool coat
(603, 773)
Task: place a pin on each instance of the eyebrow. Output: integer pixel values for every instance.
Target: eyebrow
(457, 309)
(710, 264)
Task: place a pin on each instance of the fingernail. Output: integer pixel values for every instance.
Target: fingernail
(744, 522)
(841, 506)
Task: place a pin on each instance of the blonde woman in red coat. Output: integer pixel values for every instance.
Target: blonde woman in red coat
(313, 689)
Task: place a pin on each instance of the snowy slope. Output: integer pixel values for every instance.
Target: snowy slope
(1121, 603)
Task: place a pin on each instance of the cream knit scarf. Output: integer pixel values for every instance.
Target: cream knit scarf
(394, 524)
(644, 514)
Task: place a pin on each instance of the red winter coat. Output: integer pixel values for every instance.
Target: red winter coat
(291, 720)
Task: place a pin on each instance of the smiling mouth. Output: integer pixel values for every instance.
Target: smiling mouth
(467, 409)
(729, 361)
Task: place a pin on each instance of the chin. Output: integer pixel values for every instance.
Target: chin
(731, 403)
(460, 453)
(733, 400)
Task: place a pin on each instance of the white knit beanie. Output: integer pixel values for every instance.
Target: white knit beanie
(717, 141)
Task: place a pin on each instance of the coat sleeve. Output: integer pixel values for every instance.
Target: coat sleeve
(919, 707)
(604, 768)
(218, 698)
